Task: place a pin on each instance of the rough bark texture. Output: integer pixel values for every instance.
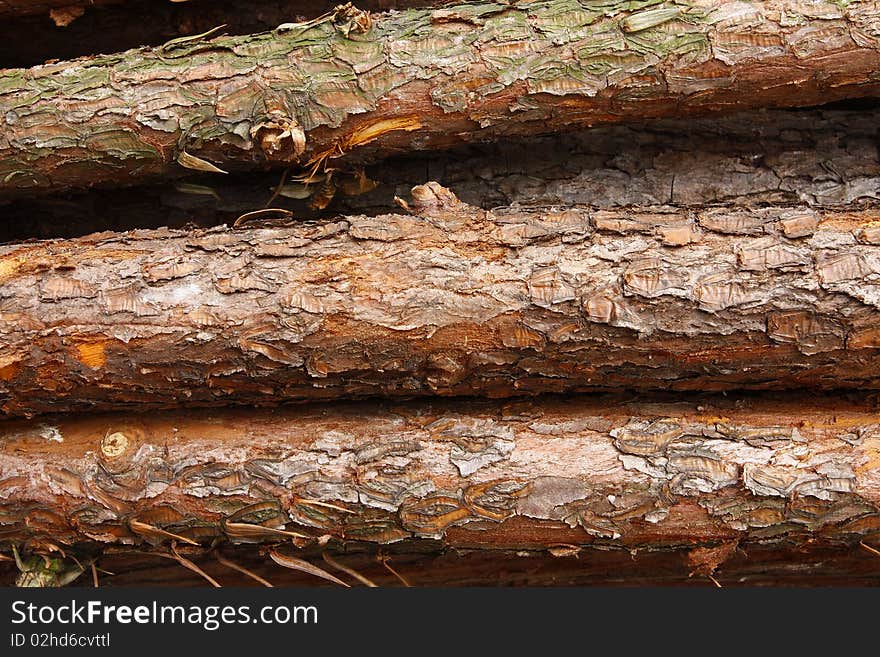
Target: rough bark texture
(453, 301)
(418, 79)
(559, 474)
(816, 157)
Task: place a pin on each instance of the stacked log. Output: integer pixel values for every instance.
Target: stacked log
(645, 337)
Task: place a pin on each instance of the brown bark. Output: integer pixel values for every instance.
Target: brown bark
(815, 157)
(557, 475)
(419, 79)
(453, 301)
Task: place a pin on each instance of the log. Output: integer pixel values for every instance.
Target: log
(822, 158)
(350, 85)
(451, 301)
(559, 474)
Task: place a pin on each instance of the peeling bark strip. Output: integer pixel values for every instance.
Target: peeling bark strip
(307, 93)
(554, 474)
(454, 301)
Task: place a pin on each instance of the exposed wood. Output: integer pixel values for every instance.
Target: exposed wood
(452, 301)
(823, 157)
(556, 475)
(361, 87)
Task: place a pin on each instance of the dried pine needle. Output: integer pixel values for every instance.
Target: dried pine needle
(366, 581)
(304, 567)
(870, 549)
(186, 563)
(250, 530)
(384, 561)
(197, 164)
(180, 41)
(241, 569)
(327, 505)
(265, 213)
(278, 188)
(149, 531)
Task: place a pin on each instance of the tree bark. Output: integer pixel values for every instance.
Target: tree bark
(452, 301)
(351, 86)
(783, 157)
(559, 474)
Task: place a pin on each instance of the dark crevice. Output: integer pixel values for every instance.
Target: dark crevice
(809, 562)
(32, 40)
(824, 158)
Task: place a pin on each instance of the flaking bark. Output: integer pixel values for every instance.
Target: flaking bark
(451, 301)
(361, 87)
(559, 474)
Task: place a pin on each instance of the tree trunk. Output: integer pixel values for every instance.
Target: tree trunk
(562, 473)
(453, 301)
(784, 157)
(348, 85)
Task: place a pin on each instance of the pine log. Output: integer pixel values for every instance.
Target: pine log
(558, 474)
(822, 158)
(361, 87)
(450, 301)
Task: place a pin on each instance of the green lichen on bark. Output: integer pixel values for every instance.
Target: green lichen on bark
(304, 92)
